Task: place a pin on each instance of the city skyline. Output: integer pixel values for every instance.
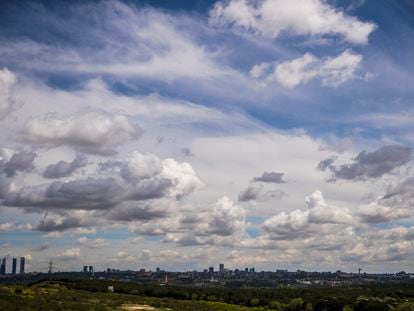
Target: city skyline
(183, 134)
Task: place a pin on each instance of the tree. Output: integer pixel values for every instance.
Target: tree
(275, 305)
(295, 304)
(371, 305)
(255, 302)
(406, 306)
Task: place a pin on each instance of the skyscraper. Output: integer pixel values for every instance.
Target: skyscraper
(221, 268)
(14, 266)
(3, 267)
(22, 261)
(91, 269)
(85, 269)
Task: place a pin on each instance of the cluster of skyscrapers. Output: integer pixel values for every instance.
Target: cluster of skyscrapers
(3, 265)
(211, 269)
(222, 270)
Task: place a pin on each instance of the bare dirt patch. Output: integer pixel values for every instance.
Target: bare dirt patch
(135, 307)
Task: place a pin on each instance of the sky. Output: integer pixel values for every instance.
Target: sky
(183, 134)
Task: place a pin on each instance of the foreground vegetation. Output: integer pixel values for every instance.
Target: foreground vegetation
(93, 295)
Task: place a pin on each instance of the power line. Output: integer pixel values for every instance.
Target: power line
(50, 265)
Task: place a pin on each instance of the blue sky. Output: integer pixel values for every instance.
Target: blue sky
(244, 132)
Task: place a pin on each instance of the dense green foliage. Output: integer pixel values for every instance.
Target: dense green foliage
(94, 295)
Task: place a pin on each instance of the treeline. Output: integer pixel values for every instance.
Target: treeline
(357, 298)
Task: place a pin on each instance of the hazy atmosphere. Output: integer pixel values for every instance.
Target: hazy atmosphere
(181, 134)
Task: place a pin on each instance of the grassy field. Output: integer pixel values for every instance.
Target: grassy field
(94, 296)
(56, 296)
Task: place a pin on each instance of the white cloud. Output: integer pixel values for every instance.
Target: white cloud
(269, 18)
(54, 223)
(123, 256)
(128, 188)
(321, 212)
(140, 166)
(7, 81)
(226, 218)
(12, 226)
(375, 213)
(133, 43)
(336, 70)
(223, 223)
(182, 176)
(81, 231)
(301, 223)
(394, 234)
(93, 243)
(332, 71)
(297, 71)
(360, 252)
(287, 224)
(90, 133)
(218, 163)
(70, 254)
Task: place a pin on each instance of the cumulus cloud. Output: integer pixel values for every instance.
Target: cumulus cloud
(100, 194)
(392, 244)
(64, 169)
(7, 81)
(320, 212)
(270, 177)
(269, 18)
(374, 213)
(19, 162)
(52, 222)
(222, 223)
(287, 225)
(87, 194)
(123, 256)
(183, 177)
(155, 188)
(12, 162)
(252, 192)
(155, 178)
(40, 248)
(13, 226)
(331, 71)
(394, 252)
(373, 164)
(324, 164)
(257, 192)
(140, 187)
(82, 231)
(402, 194)
(5, 186)
(133, 211)
(299, 223)
(394, 234)
(140, 166)
(90, 133)
(165, 255)
(359, 252)
(226, 218)
(187, 152)
(70, 254)
(93, 243)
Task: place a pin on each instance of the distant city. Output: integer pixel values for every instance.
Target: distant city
(208, 277)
